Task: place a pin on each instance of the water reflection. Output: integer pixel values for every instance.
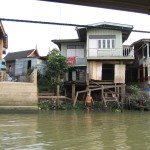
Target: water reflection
(17, 131)
(73, 130)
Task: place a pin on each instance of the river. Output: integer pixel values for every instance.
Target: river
(75, 130)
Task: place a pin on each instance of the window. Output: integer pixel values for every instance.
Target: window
(10, 68)
(75, 51)
(106, 43)
(29, 64)
(99, 44)
(113, 43)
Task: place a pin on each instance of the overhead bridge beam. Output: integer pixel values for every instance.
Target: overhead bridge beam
(125, 5)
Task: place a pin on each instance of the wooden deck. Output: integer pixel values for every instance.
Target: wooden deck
(50, 96)
(107, 94)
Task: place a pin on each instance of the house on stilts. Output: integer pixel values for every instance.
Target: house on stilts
(139, 71)
(98, 59)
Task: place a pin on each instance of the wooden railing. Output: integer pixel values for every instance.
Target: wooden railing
(102, 88)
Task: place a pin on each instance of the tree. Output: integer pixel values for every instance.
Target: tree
(56, 67)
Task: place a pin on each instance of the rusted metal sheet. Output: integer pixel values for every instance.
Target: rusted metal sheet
(95, 70)
(119, 73)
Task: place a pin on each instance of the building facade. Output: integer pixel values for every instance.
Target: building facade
(3, 47)
(99, 53)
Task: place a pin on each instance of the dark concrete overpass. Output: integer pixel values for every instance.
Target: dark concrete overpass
(140, 6)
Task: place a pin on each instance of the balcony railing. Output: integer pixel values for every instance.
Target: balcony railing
(117, 52)
(75, 61)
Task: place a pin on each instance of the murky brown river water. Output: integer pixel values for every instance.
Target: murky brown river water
(75, 130)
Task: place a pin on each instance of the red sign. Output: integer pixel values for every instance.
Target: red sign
(71, 60)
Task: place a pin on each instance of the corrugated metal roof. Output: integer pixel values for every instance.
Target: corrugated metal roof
(17, 55)
(124, 28)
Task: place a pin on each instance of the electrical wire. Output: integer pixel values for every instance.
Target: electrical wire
(69, 24)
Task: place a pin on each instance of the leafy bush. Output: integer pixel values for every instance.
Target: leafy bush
(135, 91)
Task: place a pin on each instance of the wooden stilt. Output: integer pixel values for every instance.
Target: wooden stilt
(143, 73)
(138, 74)
(73, 92)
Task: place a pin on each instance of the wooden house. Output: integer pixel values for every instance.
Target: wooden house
(98, 56)
(140, 69)
(18, 63)
(3, 47)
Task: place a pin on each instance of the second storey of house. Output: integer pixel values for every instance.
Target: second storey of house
(102, 41)
(74, 50)
(105, 41)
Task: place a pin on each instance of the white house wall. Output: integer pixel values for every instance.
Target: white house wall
(92, 44)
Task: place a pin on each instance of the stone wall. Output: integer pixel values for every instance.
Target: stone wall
(2, 75)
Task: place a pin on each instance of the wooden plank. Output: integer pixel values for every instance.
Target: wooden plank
(100, 88)
(44, 96)
(119, 73)
(75, 100)
(95, 70)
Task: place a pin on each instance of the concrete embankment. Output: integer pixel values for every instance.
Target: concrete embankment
(18, 96)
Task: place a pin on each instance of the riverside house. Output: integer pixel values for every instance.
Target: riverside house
(3, 47)
(98, 56)
(140, 70)
(19, 63)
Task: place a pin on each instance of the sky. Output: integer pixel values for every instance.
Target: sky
(26, 36)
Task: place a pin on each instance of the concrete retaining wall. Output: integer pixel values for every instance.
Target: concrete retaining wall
(19, 94)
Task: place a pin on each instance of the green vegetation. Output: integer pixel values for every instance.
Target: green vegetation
(53, 77)
(135, 91)
(56, 67)
(48, 105)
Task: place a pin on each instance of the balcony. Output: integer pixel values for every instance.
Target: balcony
(117, 53)
(75, 61)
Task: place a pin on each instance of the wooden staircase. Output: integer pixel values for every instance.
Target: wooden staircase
(110, 97)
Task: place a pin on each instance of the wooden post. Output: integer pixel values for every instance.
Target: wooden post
(148, 66)
(122, 94)
(57, 99)
(148, 70)
(118, 92)
(147, 50)
(58, 87)
(115, 88)
(143, 73)
(87, 81)
(138, 74)
(58, 90)
(102, 92)
(75, 100)
(73, 92)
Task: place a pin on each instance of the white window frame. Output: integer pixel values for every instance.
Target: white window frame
(106, 43)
